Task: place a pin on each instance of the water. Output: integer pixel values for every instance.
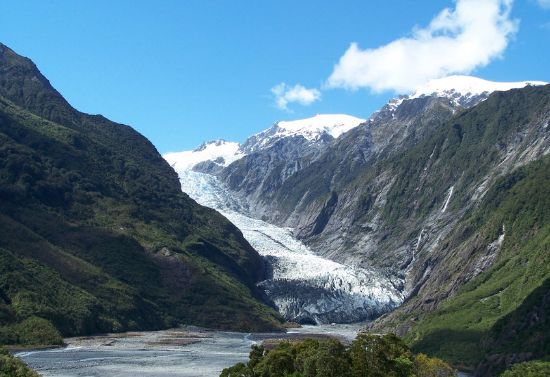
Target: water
(182, 352)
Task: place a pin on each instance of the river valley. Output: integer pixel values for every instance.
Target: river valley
(183, 352)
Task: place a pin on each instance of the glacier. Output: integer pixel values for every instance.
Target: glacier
(304, 287)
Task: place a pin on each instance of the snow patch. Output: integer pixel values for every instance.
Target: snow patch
(220, 152)
(466, 87)
(310, 128)
(449, 195)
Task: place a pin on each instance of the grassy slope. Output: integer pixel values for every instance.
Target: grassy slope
(472, 323)
(95, 234)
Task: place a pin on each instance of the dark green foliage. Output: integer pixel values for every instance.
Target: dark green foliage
(460, 153)
(380, 356)
(276, 363)
(530, 369)
(95, 233)
(35, 330)
(505, 309)
(238, 370)
(526, 328)
(368, 356)
(13, 367)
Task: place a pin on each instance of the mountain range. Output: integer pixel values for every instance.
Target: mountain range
(443, 192)
(430, 219)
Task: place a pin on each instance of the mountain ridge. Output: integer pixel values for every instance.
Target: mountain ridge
(463, 91)
(396, 193)
(90, 207)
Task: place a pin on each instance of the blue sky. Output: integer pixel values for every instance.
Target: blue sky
(182, 72)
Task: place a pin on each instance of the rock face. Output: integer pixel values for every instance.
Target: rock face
(408, 193)
(342, 200)
(304, 287)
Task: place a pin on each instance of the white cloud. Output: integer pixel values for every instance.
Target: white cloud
(544, 3)
(455, 42)
(285, 94)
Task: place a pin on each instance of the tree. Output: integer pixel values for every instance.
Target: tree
(380, 356)
(530, 369)
(431, 367)
(237, 370)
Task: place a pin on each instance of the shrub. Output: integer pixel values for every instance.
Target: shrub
(35, 330)
(431, 367)
(529, 369)
(13, 367)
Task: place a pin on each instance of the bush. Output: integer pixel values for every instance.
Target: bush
(431, 367)
(13, 367)
(529, 369)
(35, 330)
(380, 356)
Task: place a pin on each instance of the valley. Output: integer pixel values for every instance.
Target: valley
(429, 220)
(184, 352)
(397, 209)
(303, 286)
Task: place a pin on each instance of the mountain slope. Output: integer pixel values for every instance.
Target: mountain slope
(511, 229)
(418, 192)
(304, 287)
(467, 90)
(96, 233)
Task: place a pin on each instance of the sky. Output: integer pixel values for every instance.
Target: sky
(184, 72)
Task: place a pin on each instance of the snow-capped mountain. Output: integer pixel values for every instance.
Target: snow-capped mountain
(213, 156)
(303, 286)
(466, 86)
(314, 129)
(216, 154)
(465, 91)
(290, 189)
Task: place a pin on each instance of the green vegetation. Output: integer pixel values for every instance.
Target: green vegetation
(459, 153)
(504, 309)
(368, 356)
(13, 367)
(95, 233)
(530, 369)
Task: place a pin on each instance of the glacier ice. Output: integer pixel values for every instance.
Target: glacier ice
(304, 287)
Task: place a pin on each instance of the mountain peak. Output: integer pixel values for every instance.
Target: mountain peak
(219, 152)
(23, 84)
(313, 129)
(465, 91)
(212, 143)
(333, 124)
(466, 86)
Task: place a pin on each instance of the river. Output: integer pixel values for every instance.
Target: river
(183, 352)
